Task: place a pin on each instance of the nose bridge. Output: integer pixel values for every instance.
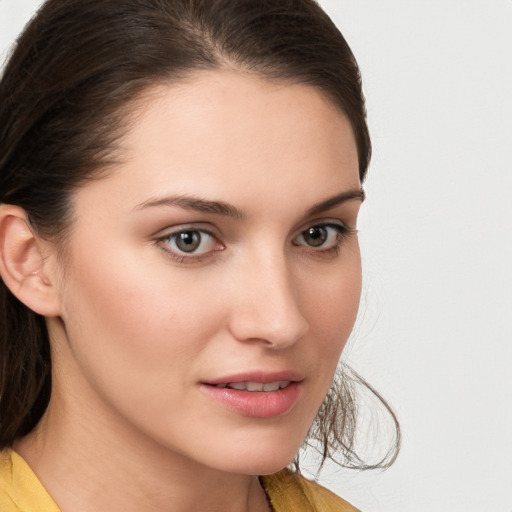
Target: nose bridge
(267, 306)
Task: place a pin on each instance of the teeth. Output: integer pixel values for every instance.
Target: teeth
(238, 385)
(256, 386)
(271, 386)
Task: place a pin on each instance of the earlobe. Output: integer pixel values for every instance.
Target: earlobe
(22, 263)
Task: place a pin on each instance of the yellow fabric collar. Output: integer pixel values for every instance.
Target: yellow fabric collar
(20, 489)
(289, 492)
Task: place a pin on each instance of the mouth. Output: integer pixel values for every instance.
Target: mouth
(257, 394)
(255, 387)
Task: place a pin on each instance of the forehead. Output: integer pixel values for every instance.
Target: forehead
(235, 137)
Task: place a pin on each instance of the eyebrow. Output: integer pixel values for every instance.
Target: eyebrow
(332, 202)
(195, 204)
(198, 204)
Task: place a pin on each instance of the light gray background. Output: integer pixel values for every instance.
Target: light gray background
(436, 233)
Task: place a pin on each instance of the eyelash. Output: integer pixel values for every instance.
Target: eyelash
(183, 256)
(341, 233)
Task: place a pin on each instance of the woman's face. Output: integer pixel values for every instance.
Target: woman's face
(218, 258)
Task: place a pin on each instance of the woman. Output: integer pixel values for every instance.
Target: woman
(180, 183)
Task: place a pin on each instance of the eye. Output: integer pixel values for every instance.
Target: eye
(193, 242)
(315, 236)
(322, 236)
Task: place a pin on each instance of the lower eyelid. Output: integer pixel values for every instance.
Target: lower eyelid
(184, 258)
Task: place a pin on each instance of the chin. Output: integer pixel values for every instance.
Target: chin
(260, 459)
(258, 467)
(261, 449)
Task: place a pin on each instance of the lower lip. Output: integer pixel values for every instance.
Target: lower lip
(256, 404)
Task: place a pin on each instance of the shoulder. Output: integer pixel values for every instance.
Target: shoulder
(20, 490)
(290, 492)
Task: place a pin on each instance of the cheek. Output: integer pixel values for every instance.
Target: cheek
(333, 303)
(127, 321)
(137, 337)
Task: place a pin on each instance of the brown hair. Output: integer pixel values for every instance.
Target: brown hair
(74, 71)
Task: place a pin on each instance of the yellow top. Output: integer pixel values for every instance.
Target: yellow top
(289, 492)
(21, 491)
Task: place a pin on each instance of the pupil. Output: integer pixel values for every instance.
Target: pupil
(315, 236)
(188, 241)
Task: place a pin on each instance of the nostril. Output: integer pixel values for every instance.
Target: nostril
(277, 329)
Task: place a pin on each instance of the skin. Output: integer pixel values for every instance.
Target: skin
(139, 325)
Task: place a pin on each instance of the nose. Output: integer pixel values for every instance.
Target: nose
(266, 306)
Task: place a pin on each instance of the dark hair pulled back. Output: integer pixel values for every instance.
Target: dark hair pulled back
(72, 76)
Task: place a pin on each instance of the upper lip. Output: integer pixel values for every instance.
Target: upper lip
(261, 376)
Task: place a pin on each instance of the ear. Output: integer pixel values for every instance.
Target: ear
(23, 265)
